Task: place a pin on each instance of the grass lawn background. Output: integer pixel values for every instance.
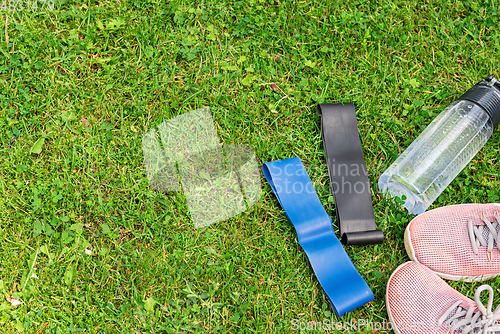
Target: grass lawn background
(82, 84)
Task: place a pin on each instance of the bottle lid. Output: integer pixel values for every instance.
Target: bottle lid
(486, 94)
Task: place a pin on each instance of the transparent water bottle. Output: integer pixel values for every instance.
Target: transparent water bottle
(444, 148)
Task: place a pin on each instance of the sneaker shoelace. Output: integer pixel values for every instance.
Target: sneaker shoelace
(478, 234)
(477, 319)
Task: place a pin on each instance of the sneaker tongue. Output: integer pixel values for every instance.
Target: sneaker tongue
(461, 309)
(486, 233)
(452, 314)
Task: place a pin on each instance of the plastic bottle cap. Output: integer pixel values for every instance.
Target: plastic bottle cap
(486, 94)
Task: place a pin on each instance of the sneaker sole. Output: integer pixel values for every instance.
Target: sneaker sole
(411, 254)
(394, 327)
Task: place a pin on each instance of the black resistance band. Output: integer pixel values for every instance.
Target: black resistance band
(348, 176)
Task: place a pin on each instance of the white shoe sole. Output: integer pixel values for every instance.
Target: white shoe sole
(411, 253)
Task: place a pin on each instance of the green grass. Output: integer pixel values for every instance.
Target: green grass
(87, 82)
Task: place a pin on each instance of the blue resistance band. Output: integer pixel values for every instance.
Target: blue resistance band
(343, 285)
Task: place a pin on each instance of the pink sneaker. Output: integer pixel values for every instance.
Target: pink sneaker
(458, 241)
(419, 302)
